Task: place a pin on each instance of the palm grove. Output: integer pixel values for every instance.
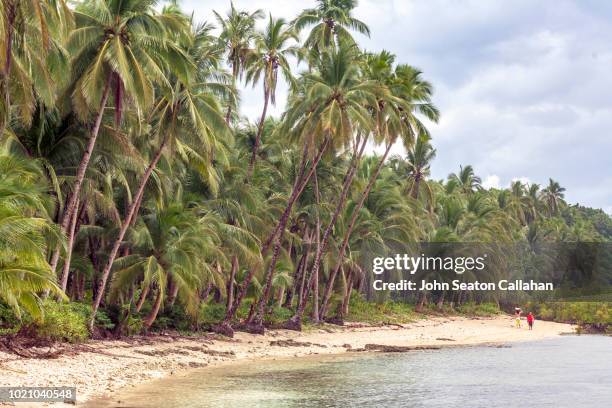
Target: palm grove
(130, 183)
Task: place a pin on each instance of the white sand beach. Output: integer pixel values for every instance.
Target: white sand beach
(101, 368)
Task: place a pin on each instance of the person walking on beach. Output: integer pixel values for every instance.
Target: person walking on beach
(530, 320)
(517, 317)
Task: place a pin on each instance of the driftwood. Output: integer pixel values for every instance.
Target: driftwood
(293, 343)
(383, 348)
(395, 349)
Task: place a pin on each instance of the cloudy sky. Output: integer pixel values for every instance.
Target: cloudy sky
(523, 86)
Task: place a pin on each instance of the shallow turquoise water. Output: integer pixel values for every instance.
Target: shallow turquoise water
(570, 371)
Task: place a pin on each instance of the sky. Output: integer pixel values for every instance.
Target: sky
(523, 86)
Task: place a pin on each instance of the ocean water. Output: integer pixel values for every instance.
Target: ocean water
(570, 371)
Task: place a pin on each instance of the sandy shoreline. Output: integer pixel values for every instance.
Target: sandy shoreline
(107, 366)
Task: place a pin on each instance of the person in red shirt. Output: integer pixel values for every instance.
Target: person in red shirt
(530, 320)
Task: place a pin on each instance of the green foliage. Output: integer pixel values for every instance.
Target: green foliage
(211, 313)
(478, 309)
(174, 317)
(66, 322)
(134, 325)
(279, 315)
(103, 320)
(25, 231)
(202, 215)
(573, 312)
(380, 313)
(8, 319)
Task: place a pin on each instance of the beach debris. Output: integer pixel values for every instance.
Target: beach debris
(293, 343)
(395, 349)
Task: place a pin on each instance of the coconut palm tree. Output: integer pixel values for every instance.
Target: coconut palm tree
(187, 118)
(332, 21)
(396, 115)
(465, 180)
(173, 245)
(553, 195)
(237, 35)
(318, 114)
(418, 163)
(32, 57)
(272, 47)
(340, 97)
(118, 48)
(533, 203)
(25, 233)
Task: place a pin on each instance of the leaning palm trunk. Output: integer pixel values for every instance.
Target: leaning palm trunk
(298, 187)
(315, 283)
(143, 297)
(148, 322)
(66, 268)
(256, 318)
(295, 322)
(295, 287)
(80, 176)
(299, 178)
(259, 133)
(330, 283)
(132, 210)
(230, 282)
(264, 299)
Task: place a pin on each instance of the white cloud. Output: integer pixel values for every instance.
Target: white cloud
(491, 181)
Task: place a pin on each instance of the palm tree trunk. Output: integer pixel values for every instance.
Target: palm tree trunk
(230, 282)
(299, 179)
(173, 293)
(417, 184)
(315, 283)
(204, 296)
(228, 115)
(93, 247)
(296, 321)
(344, 309)
(422, 301)
(80, 176)
(66, 268)
(293, 289)
(124, 227)
(80, 294)
(330, 283)
(258, 318)
(9, 28)
(143, 297)
(280, 294)
(440, 302)
(148, 322)
(298, 187)
(302, 288)
(259, 132)
(75, 226)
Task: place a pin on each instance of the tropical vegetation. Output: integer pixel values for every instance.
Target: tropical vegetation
(132, 187)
